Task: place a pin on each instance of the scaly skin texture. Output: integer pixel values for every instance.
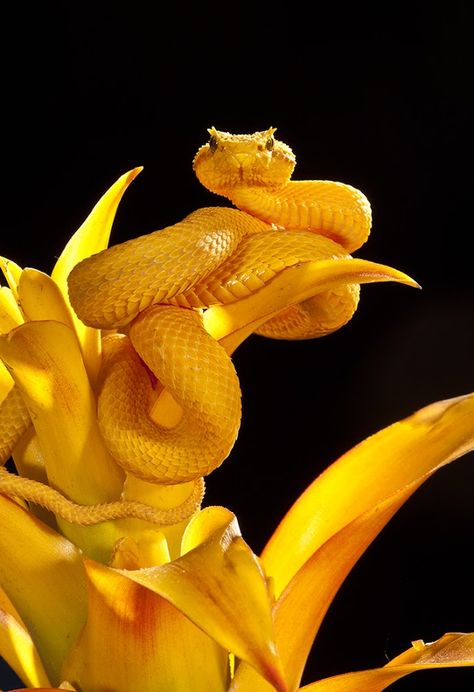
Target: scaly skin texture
(198, 373)
(216, 255)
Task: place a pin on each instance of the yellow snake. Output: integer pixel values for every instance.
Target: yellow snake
(153, 288)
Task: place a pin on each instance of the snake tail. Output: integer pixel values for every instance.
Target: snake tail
(87, 515)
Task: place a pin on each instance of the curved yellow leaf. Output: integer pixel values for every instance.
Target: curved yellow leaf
(301, 608)
(136, 640)
(219, 585)
(43, 576)
(17, 647)
(41, 299)
(10, 313)
(372, 471)
(231, 324)
(429, 439)
(374, 480)
(451, 651)
(91, 237)
(29, 463)
(46, 364)
(45, 361)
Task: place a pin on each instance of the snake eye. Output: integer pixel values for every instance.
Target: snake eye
(213, 143)
(270, 143)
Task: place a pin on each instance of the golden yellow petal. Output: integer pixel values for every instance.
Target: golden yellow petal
(136, 640)
(90, 238)
(231, 324)
(17, 647)
(220, 586)
(335, 520)
(451, 651)
(43, 576)
(372, 471)
(47, 366)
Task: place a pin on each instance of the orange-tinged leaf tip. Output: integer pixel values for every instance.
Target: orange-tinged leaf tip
(134, 640)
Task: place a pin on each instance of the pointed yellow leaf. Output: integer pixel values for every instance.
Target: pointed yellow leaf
(91, 237)
(231, 324)
(136, 640)
(325, 535)
(17, 647)
(372, 471)
(28, 457)
(219, 585)
(451, 651)
(43, 576)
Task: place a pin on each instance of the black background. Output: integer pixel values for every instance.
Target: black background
(378, 98)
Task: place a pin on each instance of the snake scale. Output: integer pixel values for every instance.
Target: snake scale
(152, 290)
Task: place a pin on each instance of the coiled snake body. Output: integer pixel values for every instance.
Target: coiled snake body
(153, 288)
(215, 255)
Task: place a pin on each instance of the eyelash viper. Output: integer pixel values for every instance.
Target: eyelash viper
(216, 255)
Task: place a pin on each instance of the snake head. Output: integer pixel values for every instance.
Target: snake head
(228, 161)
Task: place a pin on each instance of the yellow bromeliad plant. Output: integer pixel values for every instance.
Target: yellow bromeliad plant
(111, 581)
